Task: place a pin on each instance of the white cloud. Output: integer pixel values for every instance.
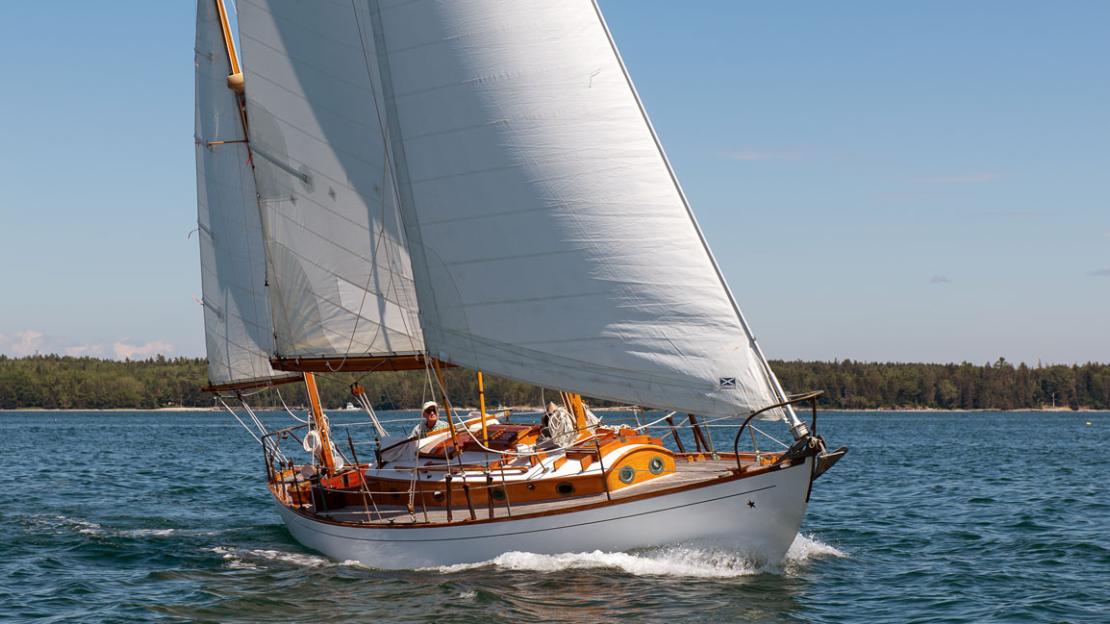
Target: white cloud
(31, 341)
(21, 343)
(125, 351)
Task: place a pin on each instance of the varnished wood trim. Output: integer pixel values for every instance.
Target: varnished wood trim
(735, 476)
(248, 384)
(376, 363)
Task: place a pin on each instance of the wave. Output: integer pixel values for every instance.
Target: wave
(148, 532)
(805, 548)
(250, 558)
(681, 561)
(58, 523)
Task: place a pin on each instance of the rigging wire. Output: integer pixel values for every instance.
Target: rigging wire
(287, 410)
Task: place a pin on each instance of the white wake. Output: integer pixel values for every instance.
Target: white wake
(668, 561)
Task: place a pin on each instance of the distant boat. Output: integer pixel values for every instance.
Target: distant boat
(339, 171)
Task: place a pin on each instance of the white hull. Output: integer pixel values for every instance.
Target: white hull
(719, 515)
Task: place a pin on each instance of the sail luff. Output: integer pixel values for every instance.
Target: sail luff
(238, 330)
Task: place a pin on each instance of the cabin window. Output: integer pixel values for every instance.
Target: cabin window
(627, 474)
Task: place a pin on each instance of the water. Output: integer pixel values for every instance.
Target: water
(932, 517)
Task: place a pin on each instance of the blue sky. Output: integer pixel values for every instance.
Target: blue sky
(879, 181)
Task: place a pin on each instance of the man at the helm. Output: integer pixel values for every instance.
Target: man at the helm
(429, 421)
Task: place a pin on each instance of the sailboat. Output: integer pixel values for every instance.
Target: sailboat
(388, 185)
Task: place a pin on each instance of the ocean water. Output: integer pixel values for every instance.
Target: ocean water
(932, 517)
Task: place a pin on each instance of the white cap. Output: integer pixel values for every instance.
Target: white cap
(429, 404)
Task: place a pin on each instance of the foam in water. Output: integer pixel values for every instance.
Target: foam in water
(249, 558)
(148, 532)
(669, 561)
(805, 548)
(65, 523)
(58, 522)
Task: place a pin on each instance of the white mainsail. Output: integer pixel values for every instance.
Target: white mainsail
(550, 240)
(340, 276)
(238, 333)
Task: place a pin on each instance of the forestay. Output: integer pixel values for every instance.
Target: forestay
(237, 327)
(340, 276)
(550, 240)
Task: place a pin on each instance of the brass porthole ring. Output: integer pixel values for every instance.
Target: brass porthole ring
(627, 474)
(656, 465)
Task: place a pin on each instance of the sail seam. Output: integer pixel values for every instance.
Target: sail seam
(771, 380)
(402, 179)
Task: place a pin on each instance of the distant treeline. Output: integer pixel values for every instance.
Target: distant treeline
(57, 382)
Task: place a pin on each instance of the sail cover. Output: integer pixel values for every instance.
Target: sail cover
(550, 240)
(340, 276)
(237, 327)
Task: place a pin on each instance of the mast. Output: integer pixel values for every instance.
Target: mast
(436, 365)
(236, 84)
(229, 45)
(237, 322)
(482, 408)
(321, 423)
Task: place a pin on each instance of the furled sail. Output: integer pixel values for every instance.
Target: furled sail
(550, 240)
(340, 277)
(238, 333)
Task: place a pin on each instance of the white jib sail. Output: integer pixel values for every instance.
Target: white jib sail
(238, 333)
(340, 276)
(550, 240)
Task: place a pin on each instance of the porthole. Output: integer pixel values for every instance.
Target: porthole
(437, 495)
(655, 466)
(627, 474)
(497, 494)
(564, 488)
